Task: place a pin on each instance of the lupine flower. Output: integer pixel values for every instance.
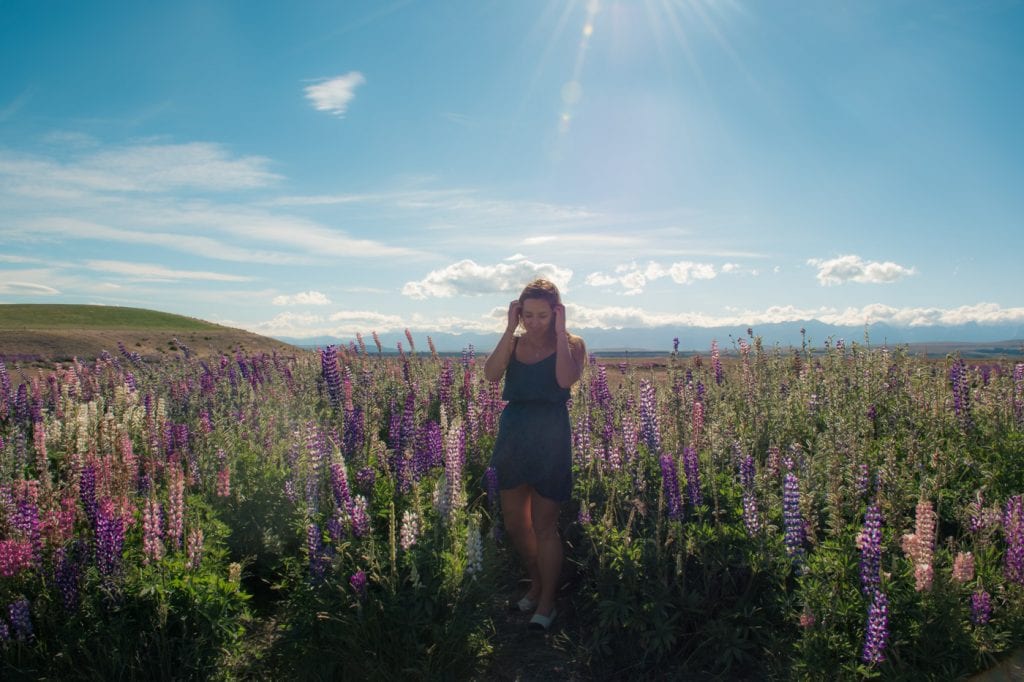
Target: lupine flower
(175, 506)
(315, 549)
(963, 567)
(698, 419)
(474, 548)
(109, 538)
(410, 530)
(716, 363)
(961, 393)
(670, 483)
(21, 620)
(691, 467)
(751, 520)
(792, 518)
(360, 517)
(354, 434)
(807, 619)
(1013, 528)
(870, 544)
(152, 521)
(649, 428)
(919, 545)
(876, 634)
(981, 607)
(194, 548)
(87, 491)
(331, 375)
(15, 557)
(358, 582)
(454, 458)
(862, 483)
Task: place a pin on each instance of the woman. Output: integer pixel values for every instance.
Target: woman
(532, 454)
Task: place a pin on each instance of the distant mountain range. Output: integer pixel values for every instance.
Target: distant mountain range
(1007, 339)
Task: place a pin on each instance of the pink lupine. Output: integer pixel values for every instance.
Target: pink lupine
(15, 557)
(963, 567)
(194, 548)
(224, 481)
(175, 506)
(152, 531)
(919, 545)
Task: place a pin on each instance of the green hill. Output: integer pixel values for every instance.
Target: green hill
(44, 333)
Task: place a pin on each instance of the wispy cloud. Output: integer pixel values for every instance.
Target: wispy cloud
(852, 268)
(15, 288)
(333, 95)
(468, 278)
(158, 273)
(633, 278)
(302, 298)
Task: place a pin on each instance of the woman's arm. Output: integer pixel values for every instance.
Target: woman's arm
(570, 352)
(499, 358)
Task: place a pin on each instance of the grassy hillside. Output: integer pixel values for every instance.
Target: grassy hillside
(42, 334)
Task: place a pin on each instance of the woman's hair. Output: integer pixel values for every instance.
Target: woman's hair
(542, 289)
(545, 291)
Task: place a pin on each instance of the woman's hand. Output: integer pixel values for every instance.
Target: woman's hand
(559, 312)
(514, 309)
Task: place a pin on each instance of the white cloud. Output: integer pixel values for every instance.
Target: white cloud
(13, 288)
(136, 168)
(633, 278)
(467, 278)
(851, 268)
(303, 298)
(159, 273)
(333, 95)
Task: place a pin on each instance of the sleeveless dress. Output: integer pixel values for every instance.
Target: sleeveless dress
(534, 443)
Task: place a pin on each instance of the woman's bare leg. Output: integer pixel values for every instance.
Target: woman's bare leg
(549, 549)
(517, 511)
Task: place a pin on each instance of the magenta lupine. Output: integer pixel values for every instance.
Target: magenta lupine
(1013, 528)
(670, 485)
(19, 613)
(152, 532)
(869, 542)
(691, 468)
(981, 607)
(876, 635)
(15, 557)
(358, 582)
(792, 518)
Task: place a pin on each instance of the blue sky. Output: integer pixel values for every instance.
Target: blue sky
(343, 167)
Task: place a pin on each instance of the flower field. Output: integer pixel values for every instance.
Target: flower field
(842, 511)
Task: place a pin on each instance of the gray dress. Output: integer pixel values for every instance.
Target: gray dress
(534, 443)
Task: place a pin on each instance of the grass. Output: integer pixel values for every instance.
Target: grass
(60, 316)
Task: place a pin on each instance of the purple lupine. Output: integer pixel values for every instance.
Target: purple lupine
(87, 491)
(358, 582)
(792, 519)
(109, 538)
(1013, 528)
(691, 468)
(316, 452)
(360, 517)
(365, 479)
(354, 435)
(175, 507)
(961, 393)
(870, 544)
(876, 635)
(428, 450)
(315, 548)
(20, 615)
(981, 607)
(675, 345)
(650, 430)
(493, 498)
(1018, 392)
(751, 519)
(331, 375)
(339, 487)
(67, 573)
(862, 480)
(629, 431)
(670, 485)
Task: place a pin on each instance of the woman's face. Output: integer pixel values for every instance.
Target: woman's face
(536, 315)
